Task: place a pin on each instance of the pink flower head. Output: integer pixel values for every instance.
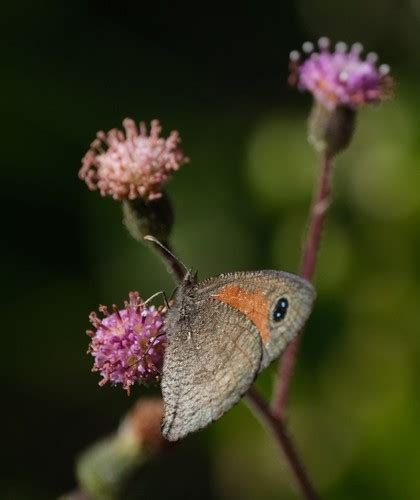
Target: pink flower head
(341, 77)
(128, 345)
(132, 164)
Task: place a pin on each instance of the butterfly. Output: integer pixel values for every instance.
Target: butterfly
(221, 333)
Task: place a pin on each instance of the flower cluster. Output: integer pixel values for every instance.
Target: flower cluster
(132, 164)
(128, 345)
(340, 77)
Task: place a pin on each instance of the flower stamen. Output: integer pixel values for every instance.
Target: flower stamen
(128, 345)
(340, 77)
(132, 164)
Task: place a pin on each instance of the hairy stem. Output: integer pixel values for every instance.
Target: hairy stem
(307, 269)
(278, 429)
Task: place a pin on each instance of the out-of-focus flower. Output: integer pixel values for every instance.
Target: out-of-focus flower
(108, 468)
(128, 345)
(134, 163)
(142, 424)
(342, 77)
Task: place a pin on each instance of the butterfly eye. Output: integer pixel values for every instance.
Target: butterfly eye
(280, 309)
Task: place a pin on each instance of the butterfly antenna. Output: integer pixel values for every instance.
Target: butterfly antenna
(161, 292)
(166, 251)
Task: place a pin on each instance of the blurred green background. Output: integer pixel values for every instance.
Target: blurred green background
(218, 74)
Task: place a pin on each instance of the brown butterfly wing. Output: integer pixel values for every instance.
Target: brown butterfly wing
(221, 334)
(213, 355)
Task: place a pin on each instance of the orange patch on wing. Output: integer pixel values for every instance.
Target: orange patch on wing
(253, 304)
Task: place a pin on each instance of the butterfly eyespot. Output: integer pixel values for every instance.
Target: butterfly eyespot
(280, 310)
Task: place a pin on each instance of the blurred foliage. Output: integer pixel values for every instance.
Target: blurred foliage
(70, 69)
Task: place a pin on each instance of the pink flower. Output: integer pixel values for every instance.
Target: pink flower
(132, 164)
(341, 77)
(128, 345)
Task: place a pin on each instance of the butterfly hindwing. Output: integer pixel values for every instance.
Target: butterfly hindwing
(212, 357)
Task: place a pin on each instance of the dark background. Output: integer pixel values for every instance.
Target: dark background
(218, 74)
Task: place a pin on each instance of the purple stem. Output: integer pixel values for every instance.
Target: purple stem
(307, 269)
(278, 428)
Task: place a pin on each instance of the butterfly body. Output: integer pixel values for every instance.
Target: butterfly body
(221, 333)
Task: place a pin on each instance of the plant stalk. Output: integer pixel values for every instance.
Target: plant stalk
(278, 429)
(317, 217)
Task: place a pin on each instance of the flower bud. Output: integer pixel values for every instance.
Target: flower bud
(154, 217)
(106, 469)
(330, 130)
